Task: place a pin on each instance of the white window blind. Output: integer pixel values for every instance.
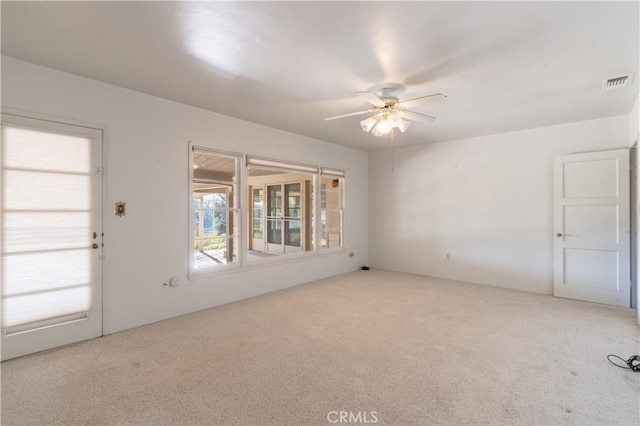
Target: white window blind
(332, 172)
(266, 164)
(46, 226)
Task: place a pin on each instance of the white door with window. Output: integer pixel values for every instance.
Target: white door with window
(592, 227)
(51, 234)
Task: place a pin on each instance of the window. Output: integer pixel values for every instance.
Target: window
(258, 213)
(215, 211)
(331, 208)
(282, 200)
(285, 214)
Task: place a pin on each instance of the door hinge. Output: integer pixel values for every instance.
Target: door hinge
(100, 170)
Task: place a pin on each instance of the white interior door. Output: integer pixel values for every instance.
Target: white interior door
(592, 228)
(51, 235)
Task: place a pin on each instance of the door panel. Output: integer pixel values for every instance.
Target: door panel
(591, 268)
(590, 178)
(274, 219)
(592, 227)
(292, 233)
(257, 218)
(51, 235)
(293, 210)
(274, 231)
(591, 223)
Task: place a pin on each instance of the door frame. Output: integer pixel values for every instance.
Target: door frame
(21, 114)
(633, 202)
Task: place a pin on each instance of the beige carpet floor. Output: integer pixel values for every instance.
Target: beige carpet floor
(395, 348)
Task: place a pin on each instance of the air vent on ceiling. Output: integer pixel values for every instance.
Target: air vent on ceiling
(616, 82)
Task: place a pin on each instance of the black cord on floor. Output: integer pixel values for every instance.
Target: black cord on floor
(632, 363)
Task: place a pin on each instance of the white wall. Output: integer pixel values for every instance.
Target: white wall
(634, 122)
(487, 201)
(146, 161)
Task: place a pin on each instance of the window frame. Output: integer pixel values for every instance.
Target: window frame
(244, 207)
(194, 272)
(341, 176)
(285, 166)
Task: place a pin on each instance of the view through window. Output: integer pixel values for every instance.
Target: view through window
(283, 215)
(215, 213)
(282, 211)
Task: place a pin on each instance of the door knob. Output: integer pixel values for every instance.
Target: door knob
(95, 245)
(559, 234)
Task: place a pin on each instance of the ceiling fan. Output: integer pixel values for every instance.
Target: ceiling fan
(388, 112)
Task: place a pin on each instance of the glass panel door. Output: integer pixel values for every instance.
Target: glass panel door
(293, 217)
(274, 219)
(285, 218)
(257, 220)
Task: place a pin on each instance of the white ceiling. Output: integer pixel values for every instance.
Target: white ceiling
(503, 65)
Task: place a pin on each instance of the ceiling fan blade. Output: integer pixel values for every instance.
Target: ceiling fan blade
(423, 100)
(372, 98)
(348, 115)
(416, 116)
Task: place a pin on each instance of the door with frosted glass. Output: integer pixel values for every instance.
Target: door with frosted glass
(51, 235)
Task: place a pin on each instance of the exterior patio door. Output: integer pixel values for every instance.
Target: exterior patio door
(284, 218)
(256, 242)
(51, 235)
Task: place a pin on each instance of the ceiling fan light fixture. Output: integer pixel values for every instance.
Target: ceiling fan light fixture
(383, 123)
(389, 112)
(368, 124)
(403, 125)
(377, 132)
(384, 126)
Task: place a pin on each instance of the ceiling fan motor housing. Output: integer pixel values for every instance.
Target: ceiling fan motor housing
(386, 94)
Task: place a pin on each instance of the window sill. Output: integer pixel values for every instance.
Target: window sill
(249, 265)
